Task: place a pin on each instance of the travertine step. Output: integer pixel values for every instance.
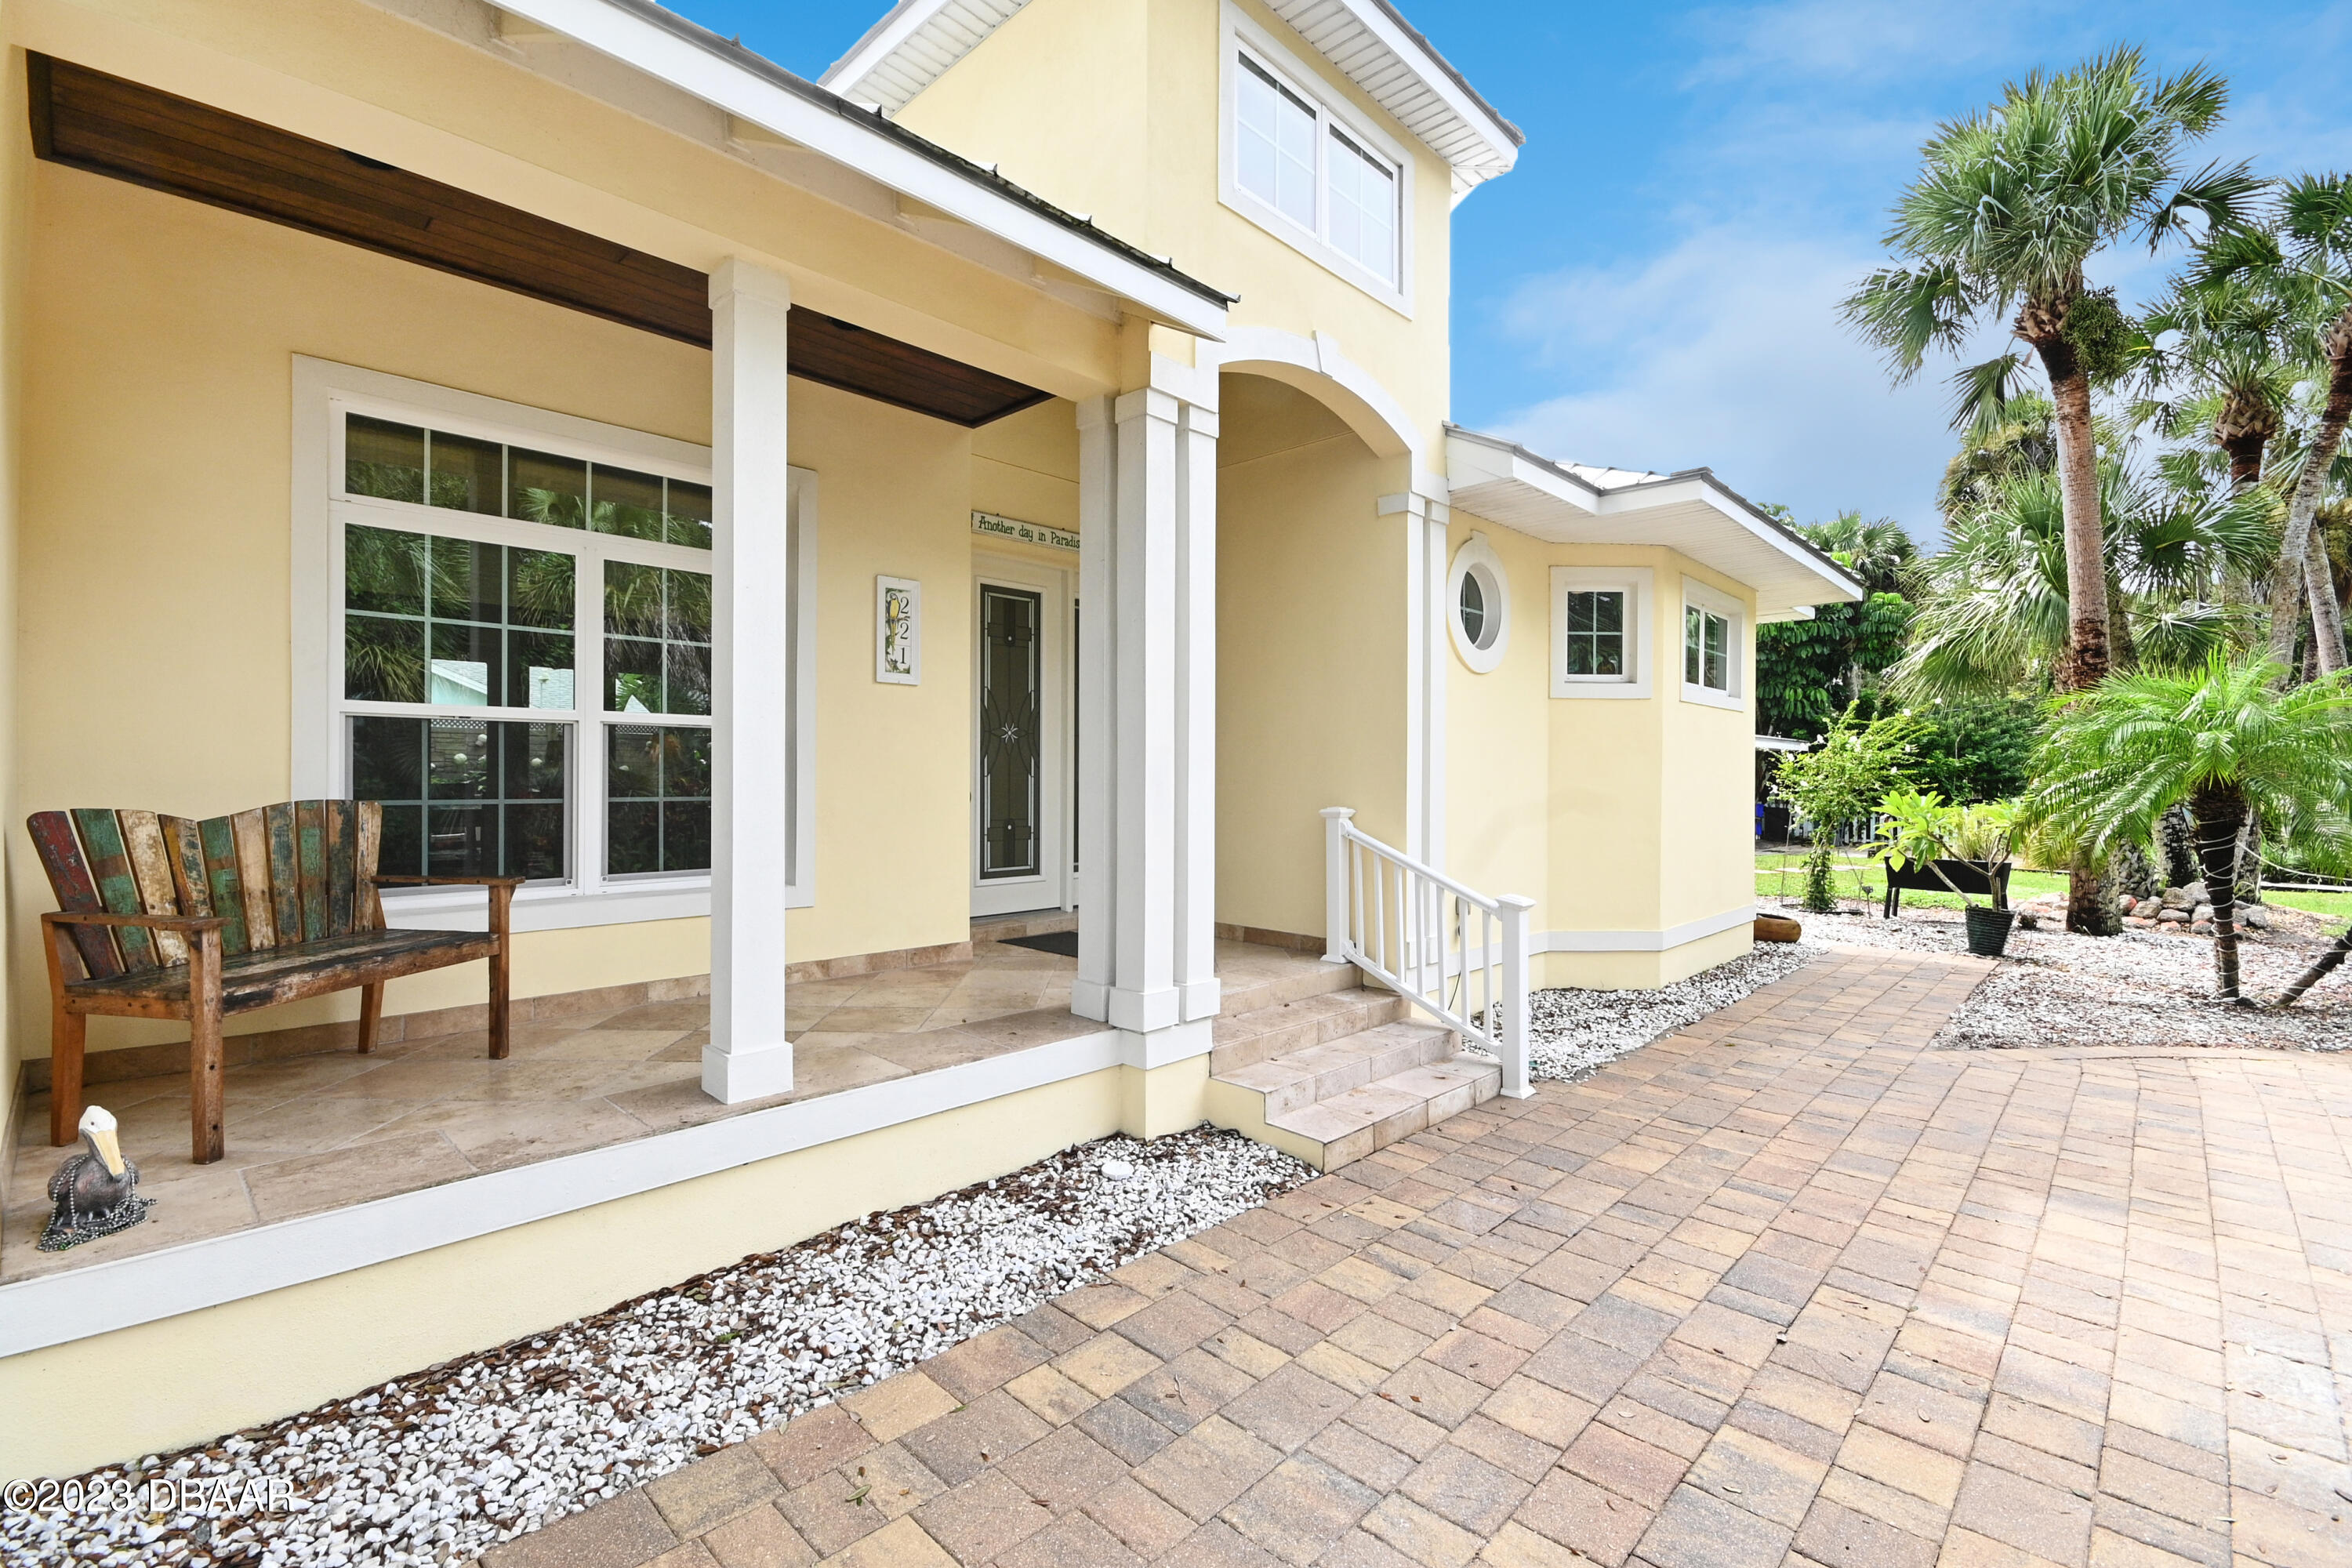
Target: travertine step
(1336, 1101)
(1287, 1028)
(1255, 977)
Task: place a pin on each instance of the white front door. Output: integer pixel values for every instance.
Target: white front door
(1021, 752)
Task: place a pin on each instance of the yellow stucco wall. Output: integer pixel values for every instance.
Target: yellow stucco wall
(1311, 652)
(1110, 108)
(156, 564)
(16, 233)
(1614, 816)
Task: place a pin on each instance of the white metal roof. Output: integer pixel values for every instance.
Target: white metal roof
(1370, 40)
(1690, 511)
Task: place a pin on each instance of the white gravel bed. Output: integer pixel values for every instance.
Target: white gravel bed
(1573, 1030)
(439, 1466)
(2141, 988)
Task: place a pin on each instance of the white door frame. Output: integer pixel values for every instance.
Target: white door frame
(1052, 888)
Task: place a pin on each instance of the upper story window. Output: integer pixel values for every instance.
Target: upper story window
(1314, 177)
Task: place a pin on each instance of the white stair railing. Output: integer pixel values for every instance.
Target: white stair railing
(1457, 955)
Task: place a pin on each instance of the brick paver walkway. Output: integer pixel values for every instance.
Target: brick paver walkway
(1785, 1287)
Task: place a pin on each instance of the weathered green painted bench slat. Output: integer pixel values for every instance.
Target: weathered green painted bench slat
(168, 916)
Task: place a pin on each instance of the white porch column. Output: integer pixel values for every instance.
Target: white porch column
(1147, 772)
(747, 1055)
(1427, 656)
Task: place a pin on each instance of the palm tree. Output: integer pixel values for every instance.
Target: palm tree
(1994, 616)
(2225, 741)
(2315, 222)
(1881, 555)
(2009, 206)
(2219, 352)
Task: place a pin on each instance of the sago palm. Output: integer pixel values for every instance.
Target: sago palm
(2225, 741)
(2008, 208)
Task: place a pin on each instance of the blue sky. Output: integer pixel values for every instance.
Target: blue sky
(1655, 285)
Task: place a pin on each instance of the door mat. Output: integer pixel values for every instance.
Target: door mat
(1064, 943)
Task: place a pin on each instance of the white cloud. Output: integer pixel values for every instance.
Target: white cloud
(1849, 41)
(1727, 351)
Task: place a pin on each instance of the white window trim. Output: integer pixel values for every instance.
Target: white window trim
(323, 392)
(1240, 35)
(1697, 594)
(1634, 583)
(1476, 554)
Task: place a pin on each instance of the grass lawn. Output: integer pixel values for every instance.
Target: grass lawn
(1859, 876)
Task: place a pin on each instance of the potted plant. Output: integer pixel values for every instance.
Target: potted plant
(1963, 847)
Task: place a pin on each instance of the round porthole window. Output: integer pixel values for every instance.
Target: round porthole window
(1480, 605)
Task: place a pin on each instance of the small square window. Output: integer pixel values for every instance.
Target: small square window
(1595, 636)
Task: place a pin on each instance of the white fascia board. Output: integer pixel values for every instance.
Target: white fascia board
(1687, 489)
(1471, 460)
(615, 30)
(882, 41)
(1502, 149)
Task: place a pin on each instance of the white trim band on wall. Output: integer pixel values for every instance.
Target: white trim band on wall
(1644, 941)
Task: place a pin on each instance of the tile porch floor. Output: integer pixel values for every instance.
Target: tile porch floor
(316, 1132)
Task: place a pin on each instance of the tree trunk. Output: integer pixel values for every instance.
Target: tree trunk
(2318, 970)
(2246, 453)
(2090, 910)
(2289, 585)
(2244, 448)
(2326, 613)
(2218, 817)
(2078, 487)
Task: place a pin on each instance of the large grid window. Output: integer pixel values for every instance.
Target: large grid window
(525, 653)
(658, 793)
(1324, 181)
(656, 640)
(466, 797)
(391, 461)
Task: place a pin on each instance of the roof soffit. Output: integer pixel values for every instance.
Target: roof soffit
(1691, 512)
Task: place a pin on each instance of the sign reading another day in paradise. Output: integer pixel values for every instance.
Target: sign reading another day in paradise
(1021, 532)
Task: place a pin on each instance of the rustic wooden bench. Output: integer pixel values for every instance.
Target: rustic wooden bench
(163, 917)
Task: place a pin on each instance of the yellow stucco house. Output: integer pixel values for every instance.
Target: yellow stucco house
(1033, 445)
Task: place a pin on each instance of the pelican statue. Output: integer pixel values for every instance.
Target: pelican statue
(95, 1191)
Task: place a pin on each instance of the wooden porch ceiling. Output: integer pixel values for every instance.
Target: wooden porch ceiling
(106, 126)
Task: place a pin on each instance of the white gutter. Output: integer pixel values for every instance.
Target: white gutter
(623, 31)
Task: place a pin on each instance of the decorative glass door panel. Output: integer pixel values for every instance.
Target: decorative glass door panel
(1011, 678)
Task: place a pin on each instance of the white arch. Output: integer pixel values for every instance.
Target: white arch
(1315, 366)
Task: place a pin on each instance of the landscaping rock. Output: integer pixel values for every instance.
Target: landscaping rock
(1776, 928)
(2202, 914)
(2172, 914)
(436, 1467)
(2254, 915)
(2200, 928)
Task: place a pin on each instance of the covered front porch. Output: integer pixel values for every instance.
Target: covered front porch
(546, 497)
(329, 1131)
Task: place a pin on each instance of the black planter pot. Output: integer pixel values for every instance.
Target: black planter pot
(1988, 930)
